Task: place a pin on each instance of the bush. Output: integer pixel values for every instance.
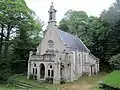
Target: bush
(111, 82)
(85, 73)
(4, 72)
(34, 77)
(49, 80)
(62, 81)
(104, 86)
(115, 62)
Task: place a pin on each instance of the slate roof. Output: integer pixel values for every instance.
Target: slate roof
(72, 42)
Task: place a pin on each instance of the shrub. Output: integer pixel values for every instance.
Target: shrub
(111, 82)
(62, 81)
(33, 77)
(115, 62)
(104, 86)
(49, 80)
(4, 71)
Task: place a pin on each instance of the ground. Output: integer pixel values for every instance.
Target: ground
(84, 83)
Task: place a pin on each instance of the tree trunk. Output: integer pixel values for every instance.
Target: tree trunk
(1, 39)
(7, 41)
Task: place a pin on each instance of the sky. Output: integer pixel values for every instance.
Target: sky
(91, 7)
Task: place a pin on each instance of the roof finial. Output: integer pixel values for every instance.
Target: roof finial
(51, 3)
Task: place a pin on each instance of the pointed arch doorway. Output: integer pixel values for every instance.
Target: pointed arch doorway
(42, 71)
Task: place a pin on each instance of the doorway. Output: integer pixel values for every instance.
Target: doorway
(42, 70)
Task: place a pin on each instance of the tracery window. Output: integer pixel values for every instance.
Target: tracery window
(50, 70)
(34, 69)
(50, 44)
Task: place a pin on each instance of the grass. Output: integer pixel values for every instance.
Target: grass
(84, 83)
(23, 78)
(113, 79)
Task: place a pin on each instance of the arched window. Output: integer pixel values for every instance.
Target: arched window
(85, 58)
(50, 44)
(34, 69)
(79, 58)
(50, 70)
(51, 15)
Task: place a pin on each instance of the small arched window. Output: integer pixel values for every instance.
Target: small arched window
(51, 15)
(34, 65)
(50, 44)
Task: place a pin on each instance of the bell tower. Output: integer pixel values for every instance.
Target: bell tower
(52, 14)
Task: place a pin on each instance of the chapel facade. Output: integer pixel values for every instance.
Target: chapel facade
(61, 56)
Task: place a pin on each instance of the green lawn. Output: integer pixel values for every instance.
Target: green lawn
(23, 78)
(113, 79)
(85, 83)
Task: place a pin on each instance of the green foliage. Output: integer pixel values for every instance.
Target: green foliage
(113, 79)
(112, 15)
(74, 22)
(112, 41)
(20, 33)
(115, 62)
(4, 71)
(92, 31)
(111, 82)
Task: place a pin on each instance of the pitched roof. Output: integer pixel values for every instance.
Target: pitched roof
(72, 42)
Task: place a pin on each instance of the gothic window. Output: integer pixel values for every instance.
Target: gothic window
(84, 57)
(50, 66)
(34, 65)
(34, 69)
(48, 72)
(79, 58)
(50, 44)
(52, 73)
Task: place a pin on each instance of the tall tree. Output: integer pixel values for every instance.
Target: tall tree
(112, 15)
(112, 41)
(19, 30)
(75, 22)
(91, 30)
(12, 14)
(26, 41)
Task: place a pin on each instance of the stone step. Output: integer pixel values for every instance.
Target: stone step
(19, 86)
(24, 85)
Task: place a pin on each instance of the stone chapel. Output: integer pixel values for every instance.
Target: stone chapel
(61, 56)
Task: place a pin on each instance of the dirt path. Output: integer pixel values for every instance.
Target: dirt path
(85, 83)
(81, 86)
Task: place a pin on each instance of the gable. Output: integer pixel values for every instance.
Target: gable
(51, 35)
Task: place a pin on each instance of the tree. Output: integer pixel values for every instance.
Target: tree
(112, 41)
(75, 22)
(12, 14)
(112, 15)
(115, 62)
(26, 41)
(92, 30)
(19, 29)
